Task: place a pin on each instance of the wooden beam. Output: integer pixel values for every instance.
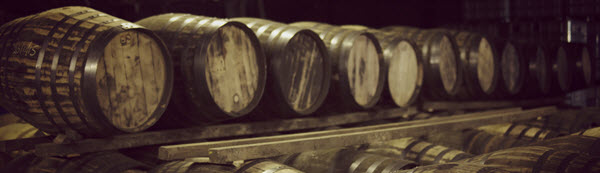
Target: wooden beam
(276, 148)
(473, 105)
(23, 144)
(215, 131)
(181, 151)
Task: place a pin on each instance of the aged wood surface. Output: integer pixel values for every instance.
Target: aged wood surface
(220, 68)
(299, 67)
(130, 79)
(172, 152)
(474, 105)
(46, 56)
(511, 68)
(358, 65)
(216, 131)
(268, 149)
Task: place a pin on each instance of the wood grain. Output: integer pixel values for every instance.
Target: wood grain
(486, 65)
(404, 74)
(232, 73)
(510, 67)
(131, 76)
(363, 70)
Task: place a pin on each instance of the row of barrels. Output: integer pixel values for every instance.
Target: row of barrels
(77, 70)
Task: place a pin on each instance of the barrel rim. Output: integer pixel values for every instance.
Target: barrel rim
(435, 68)
(88, 80)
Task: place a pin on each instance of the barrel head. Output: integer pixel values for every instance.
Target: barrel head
(486, 65)
(363, 70)
(232, 70)
(447, 64)
(511, 68)
(404, 74)
(130, 80)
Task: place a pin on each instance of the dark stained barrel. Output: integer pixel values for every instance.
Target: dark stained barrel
(344, 160)
(358, 63)
(299, 68)
(582, 65)
(220, 69)
(576, 143)
(539, 71)
(565, 121)
(539, 159)
(456, 168)
(404, 67)
(520, 131)
(255, 166)
(78, 69)
(561, 66)
(480, 64)
(421, 152)
(102, 162)
(481, 142)
(441, 60)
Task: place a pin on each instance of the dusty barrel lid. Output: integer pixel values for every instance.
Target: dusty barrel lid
(232, 69)
(542, 72)
(444, 52)
(405, 73)
(130, 78)
(486, 65)
(563, 73)
(363, 69)
(511, 68)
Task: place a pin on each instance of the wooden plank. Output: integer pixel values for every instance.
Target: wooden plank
(434, 106)
(216, 131)
(23, 144)
(276, 148)
(181, 151)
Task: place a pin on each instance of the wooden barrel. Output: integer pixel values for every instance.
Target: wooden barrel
(480, 64)
(421, 152)
(299, 68)
(561, 67)
(538, 72)
(78, 69)
(456, 168)
(404, 67)
(510, 69)
(19, 131)
(359, 66)
(592, 132)
(581, 144)
(344, 160)
(481, 142)
(520, 131)
(220, 69)
(255, 166)
(102, 162)
(583, 65)
(539, 159)
(9, 118)
(441, 61)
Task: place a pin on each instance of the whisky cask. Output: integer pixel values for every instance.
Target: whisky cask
(576, 143)
(538, 159)
(102, 162)
(456, 168)
(220, 69)
(421, 152)
(344, 160)
(299, 68)
(510, 78)
(404, 66)
(255, 166)
(592, 132)
(19, 131)
(81, 70)
(358, 66)
(538, 80)
(441, 60)
(520, 131)
(480, 142)
(561, 67)
(582, 65)
(565, 121)
(480, 64)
